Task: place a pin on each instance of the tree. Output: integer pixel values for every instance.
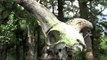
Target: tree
(3, 51)
(84, 14)
(62, 32)
(16, 22)
(60, 10)
(7, 36)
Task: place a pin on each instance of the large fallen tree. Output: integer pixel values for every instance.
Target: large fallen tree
(60, 34)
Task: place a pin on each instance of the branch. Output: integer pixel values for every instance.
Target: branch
(57, 31)
(80, 23)
(45, 17)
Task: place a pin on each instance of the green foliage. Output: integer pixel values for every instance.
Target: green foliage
(103, 57)
(104, 24)
(100, 52)
(7, 29)
(23, 24)
(103, 42)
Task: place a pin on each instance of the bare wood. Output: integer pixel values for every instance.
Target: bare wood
(45, 17)
(80, 23)
(62, 32)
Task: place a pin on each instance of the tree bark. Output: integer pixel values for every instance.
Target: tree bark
(39, 49)
(46, 18)
(17, 52)
(83, 9)
(3, 51)
(88, 41)
(60, 10)
(30, 52)
(24, 46)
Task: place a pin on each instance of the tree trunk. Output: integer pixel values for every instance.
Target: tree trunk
(17, 52)
(83, 9)
(3, 51)
(30, 52)
(88, 41)
(60, 10)
(24, 47)
(18, 34)
(84, 14)
(39, 53)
